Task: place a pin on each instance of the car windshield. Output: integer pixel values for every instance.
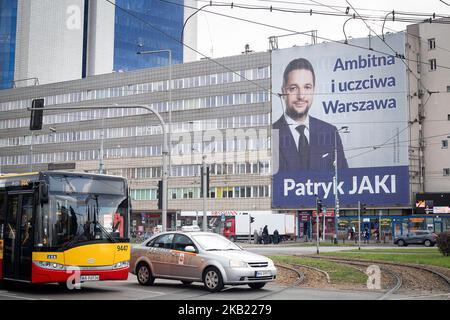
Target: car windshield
(214, 242)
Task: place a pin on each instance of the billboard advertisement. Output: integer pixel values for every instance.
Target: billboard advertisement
(342, 112)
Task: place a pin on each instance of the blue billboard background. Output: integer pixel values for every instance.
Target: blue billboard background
(373, 186)
(362, 90)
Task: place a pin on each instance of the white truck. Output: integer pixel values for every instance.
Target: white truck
(237, 227)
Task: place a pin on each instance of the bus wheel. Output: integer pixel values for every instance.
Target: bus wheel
(144, 274)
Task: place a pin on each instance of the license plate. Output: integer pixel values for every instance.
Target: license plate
(263, 273)
(90, 278)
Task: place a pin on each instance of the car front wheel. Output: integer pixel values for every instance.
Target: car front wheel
(212, 280)
(427, 243)
(401, 243)
(256, 286)
(144, 275)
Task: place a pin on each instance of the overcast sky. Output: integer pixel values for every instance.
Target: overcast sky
(221, 36)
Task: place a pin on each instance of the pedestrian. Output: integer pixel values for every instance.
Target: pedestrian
(377, 235)
(366, 235)
(255, 237)
(276, 239)
(260, 233)
(266, 235)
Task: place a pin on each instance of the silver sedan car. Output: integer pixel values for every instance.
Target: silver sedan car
(199, 257)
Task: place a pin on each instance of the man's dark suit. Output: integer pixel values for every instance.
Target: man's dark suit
(321, 141)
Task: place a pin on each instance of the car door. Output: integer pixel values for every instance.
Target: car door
(421, 236)
(188, 264)
(414, 238)
(408, 238)
(160, 255)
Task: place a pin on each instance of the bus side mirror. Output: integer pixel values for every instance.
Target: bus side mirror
(43, 192)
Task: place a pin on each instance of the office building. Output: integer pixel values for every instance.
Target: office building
(53, 41)
(221, 109)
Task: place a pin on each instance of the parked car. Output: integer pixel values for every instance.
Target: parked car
(425, 237)
(199, 257)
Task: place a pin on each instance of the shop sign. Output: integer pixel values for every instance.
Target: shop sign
(304, 217)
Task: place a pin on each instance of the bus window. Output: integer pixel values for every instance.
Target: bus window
(75, 218)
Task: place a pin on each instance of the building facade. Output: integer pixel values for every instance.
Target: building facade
(219, 109)
(81, 38)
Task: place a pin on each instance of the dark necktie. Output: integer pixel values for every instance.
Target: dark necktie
(303, 147)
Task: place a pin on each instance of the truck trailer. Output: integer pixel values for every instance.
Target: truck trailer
(239, 227)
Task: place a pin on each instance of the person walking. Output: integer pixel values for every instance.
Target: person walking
(266, 235)
(276, 239)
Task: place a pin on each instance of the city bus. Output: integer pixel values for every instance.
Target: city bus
(58, 226)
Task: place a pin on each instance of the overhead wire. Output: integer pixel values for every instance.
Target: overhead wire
(328, 13)
(184, 44)
(302, 34)
(246, 20)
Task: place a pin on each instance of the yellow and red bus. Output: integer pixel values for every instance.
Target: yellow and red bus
(55, 224)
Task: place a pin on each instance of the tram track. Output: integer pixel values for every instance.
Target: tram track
(387, 267)
(300, 279)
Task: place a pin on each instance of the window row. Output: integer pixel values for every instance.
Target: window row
(135, 152)
(142, 88)
(193, 170)
(178, 105)
(194, 193)
(111, 133)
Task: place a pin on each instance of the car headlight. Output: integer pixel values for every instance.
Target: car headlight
(238, 264)
(121, 265)
(271, 264)
(49, 265)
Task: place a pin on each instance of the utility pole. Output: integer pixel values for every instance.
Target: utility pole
(359, 225)
(204, 179)
(31, 151)
(319, 209)
(101, 164)
(344, 129)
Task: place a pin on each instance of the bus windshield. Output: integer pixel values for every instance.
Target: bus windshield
(76, 214)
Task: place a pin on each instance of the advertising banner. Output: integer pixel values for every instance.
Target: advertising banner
(342, 115)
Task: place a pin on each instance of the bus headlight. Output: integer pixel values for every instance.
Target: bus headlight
(49, 265)
(121, 265)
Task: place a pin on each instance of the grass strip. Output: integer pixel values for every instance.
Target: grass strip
(339, 273)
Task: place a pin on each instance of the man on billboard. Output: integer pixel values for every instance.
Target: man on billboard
(305, 143)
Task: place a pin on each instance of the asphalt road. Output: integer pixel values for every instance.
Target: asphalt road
(174, 290)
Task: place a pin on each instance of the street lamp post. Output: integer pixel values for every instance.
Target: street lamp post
(204, 183)
(204, 179)
(101, 164)
(165, 151)
(335, 189)
(170, 94)
(31, 151)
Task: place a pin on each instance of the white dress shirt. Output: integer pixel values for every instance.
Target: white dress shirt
(293, 127)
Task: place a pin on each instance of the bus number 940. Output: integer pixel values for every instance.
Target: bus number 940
(122, 248)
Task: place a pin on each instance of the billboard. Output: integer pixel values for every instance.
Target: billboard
(342, 112)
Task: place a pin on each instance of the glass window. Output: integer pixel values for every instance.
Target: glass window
(164, 241)
(180, 242)
(433, 64)
(431, 44)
